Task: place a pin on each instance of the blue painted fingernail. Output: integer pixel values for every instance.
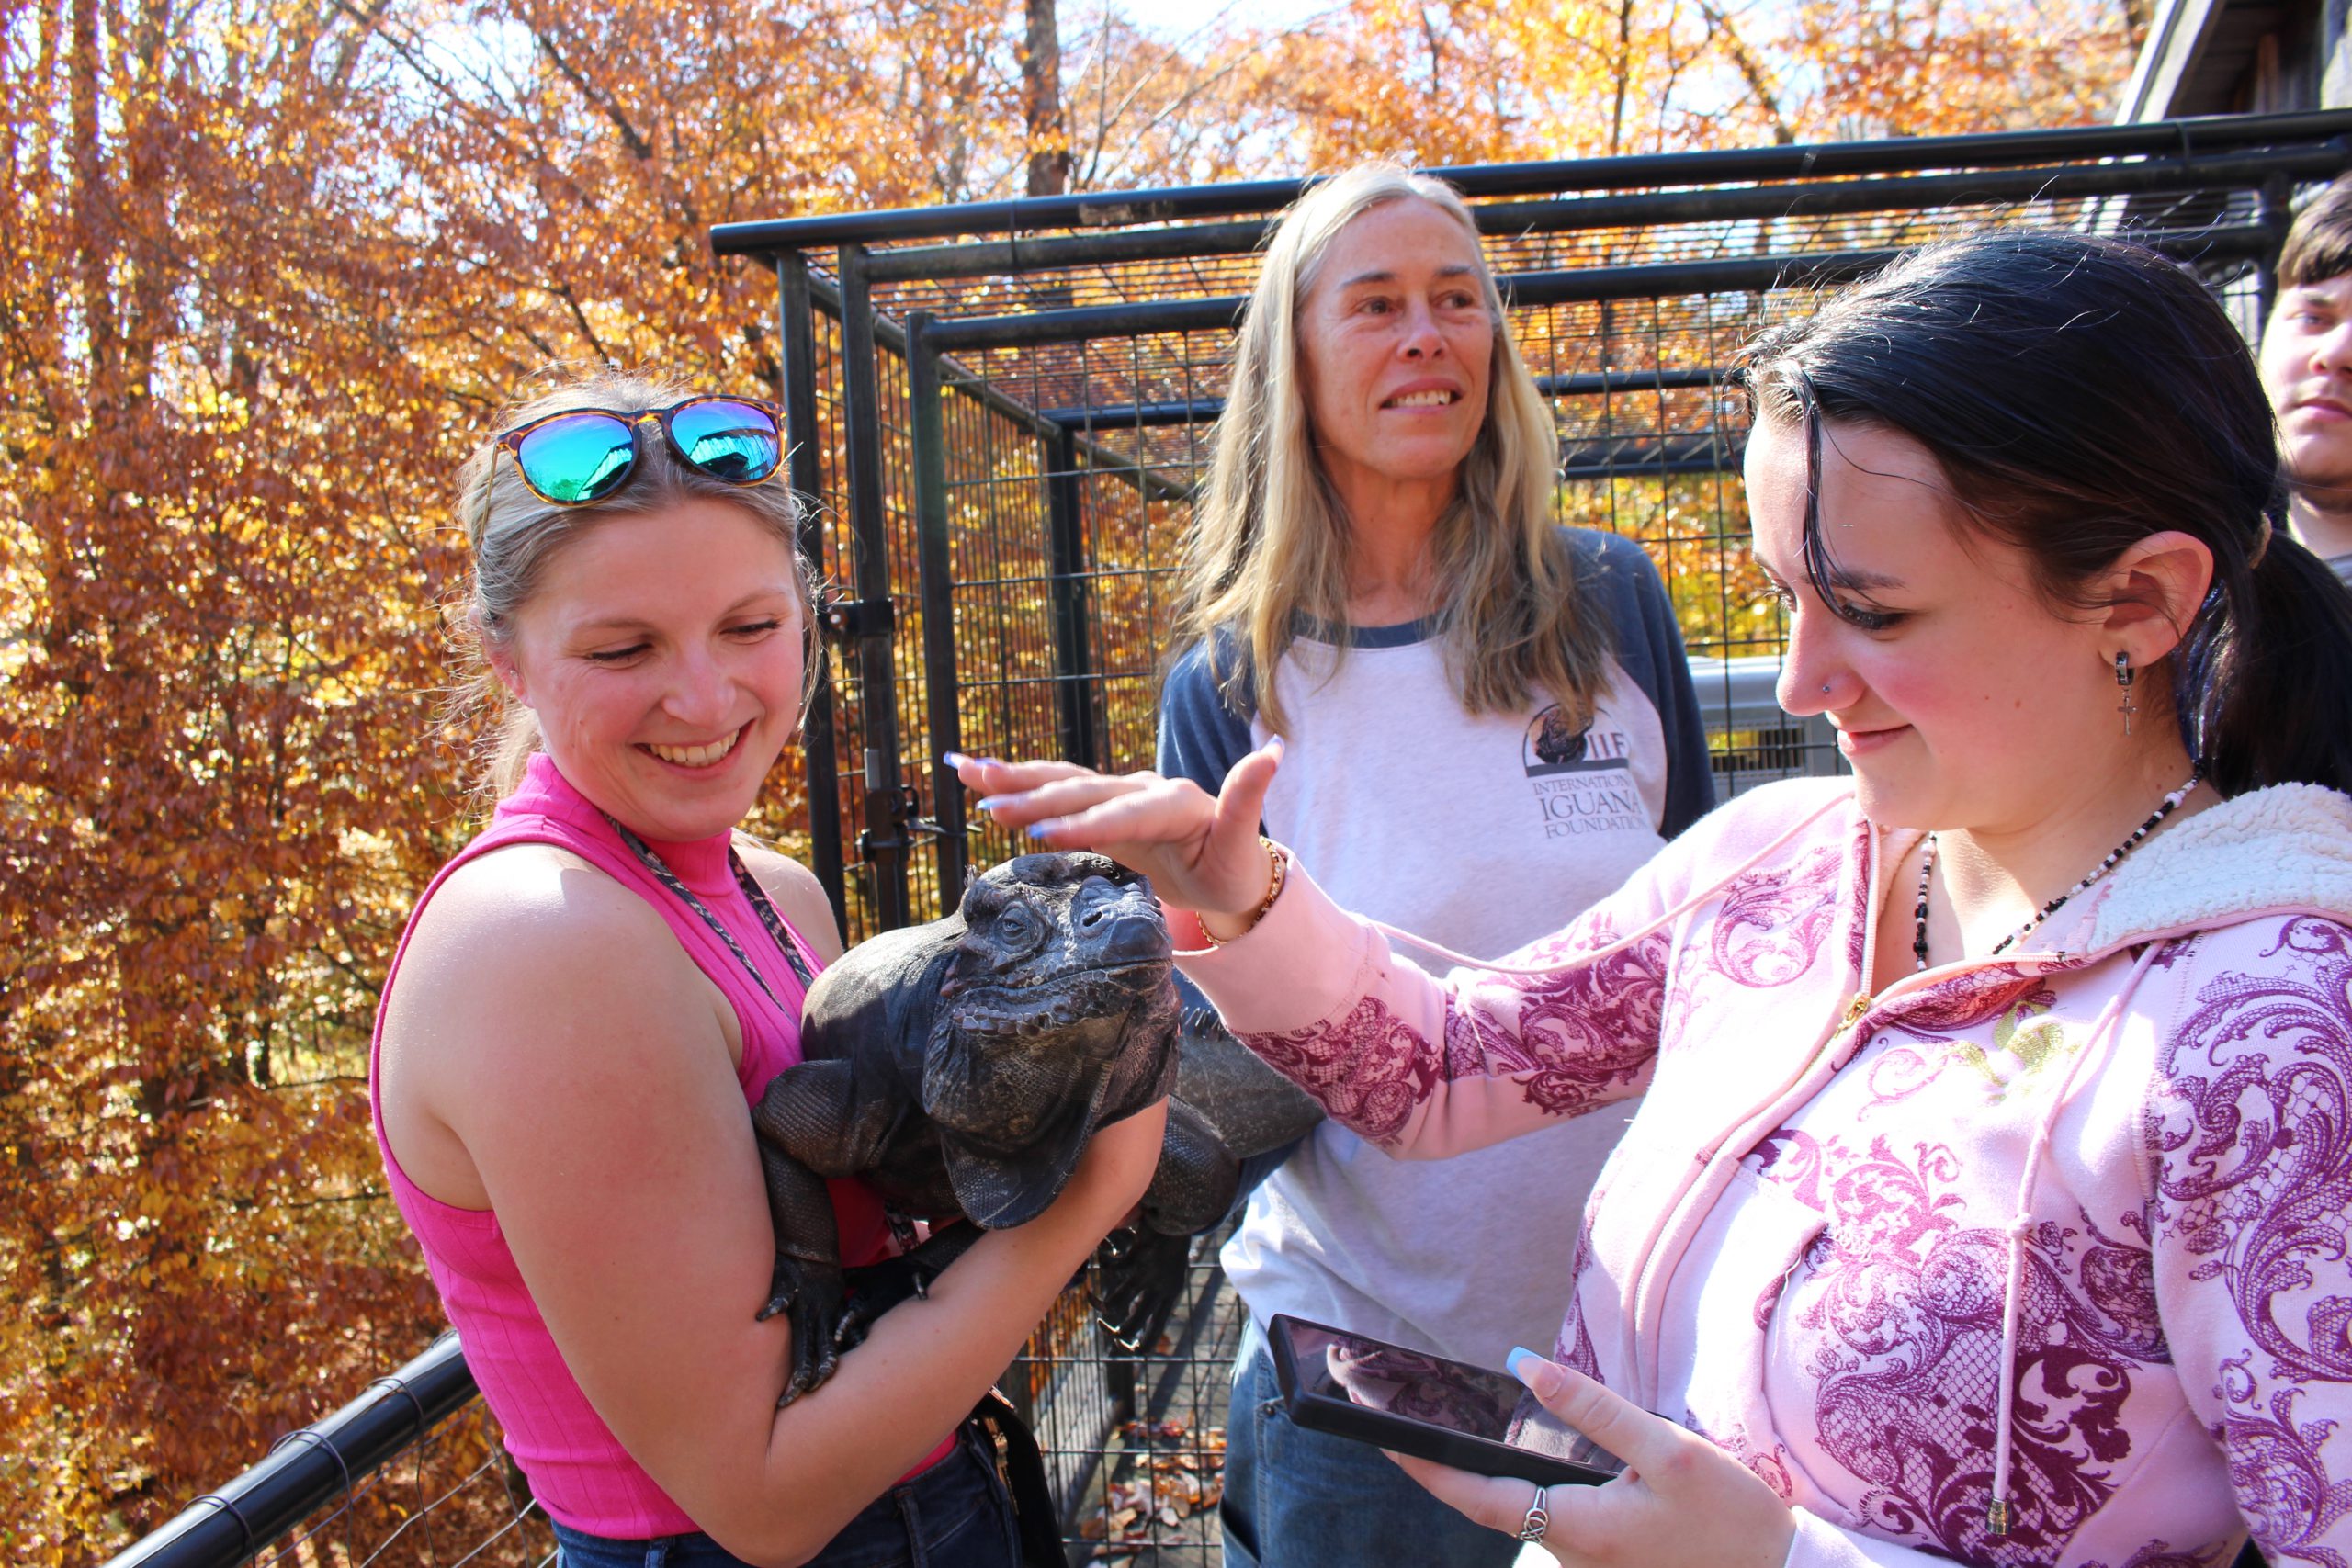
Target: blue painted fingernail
(989, 803)
(954, 758)
(1518, 1353)
(1039, 830)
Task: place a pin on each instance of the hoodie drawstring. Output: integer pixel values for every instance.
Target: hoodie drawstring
(1996, 1520)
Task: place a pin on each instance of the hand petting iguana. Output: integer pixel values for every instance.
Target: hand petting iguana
(958, 1069)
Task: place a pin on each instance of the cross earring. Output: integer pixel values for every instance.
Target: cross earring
(2124, 676)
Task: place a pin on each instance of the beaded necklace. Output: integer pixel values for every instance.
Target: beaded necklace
(2114, 857)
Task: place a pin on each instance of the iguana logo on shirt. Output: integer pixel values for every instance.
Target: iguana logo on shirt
(1553, 744)
(1574, 805)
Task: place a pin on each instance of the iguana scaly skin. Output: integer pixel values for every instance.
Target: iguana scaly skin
(959, 1068)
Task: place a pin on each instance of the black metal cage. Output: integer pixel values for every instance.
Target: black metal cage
(1002, 409)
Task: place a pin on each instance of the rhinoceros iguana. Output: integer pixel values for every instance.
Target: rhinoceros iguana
(959, 1068)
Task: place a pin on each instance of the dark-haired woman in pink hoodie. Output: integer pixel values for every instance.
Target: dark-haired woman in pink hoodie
(1991, 1198)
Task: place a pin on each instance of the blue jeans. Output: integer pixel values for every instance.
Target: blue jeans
(955, 1515)
(1296, 1498)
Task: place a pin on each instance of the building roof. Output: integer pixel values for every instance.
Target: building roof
(2208, 56)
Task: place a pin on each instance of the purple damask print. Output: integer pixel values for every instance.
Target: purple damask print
(2255, 1145)
(1770, 924)
(1944, 1020)
(1967, 1002)
(1898, 1307)
(1573, 1346)
(1589, 933)
(1861, 852)
(2282, 1483)
(1770, 1465)
(2251, 1136)
(1369, 1069)
(1583, 1037)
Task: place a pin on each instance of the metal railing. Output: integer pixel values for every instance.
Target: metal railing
(412, 1471)
(332, 1491)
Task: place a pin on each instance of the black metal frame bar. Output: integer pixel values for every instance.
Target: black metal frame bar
(882, 844)
(312, 1468)
(937, 593)
(1078, 735)
(1981, 187)
(1640, 281)
(1815, 161)
(805, 467)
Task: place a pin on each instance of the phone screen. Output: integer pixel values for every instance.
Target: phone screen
(1413, 1386)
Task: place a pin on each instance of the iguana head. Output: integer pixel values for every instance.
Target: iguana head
(1057, 1011)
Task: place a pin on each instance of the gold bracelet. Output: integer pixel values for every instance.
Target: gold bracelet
(1273, 890)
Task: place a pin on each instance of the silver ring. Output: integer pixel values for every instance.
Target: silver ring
(1537, 1521)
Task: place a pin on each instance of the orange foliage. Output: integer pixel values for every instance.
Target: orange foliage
(268, 268)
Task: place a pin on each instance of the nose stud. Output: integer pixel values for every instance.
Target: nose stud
(1825, 688)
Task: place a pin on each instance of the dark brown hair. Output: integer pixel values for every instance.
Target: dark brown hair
(2080, 394)
(2319, 243)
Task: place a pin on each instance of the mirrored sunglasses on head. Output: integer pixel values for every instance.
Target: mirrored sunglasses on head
(579, 455)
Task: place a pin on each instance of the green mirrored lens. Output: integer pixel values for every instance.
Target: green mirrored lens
(578, 457)
(728, 440)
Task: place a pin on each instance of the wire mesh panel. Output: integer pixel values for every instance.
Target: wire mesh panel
(1081, 359)
(1142, 1487)
(452, 1498)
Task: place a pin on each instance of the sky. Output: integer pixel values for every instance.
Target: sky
(1175, 19)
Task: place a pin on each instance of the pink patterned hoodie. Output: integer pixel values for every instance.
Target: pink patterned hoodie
(2118, 1167)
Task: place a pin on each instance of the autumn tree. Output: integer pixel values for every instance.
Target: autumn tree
(220, 497)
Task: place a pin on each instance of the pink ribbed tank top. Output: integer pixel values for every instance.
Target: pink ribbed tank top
(579, 1471)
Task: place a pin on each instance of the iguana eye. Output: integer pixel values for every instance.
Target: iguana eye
(1016, 928)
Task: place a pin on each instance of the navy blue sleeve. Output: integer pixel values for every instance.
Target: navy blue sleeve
(1625, 581)
(1201, 736)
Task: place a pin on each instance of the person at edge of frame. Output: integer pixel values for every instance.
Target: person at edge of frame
(591, 995)
(1990, 1200)
(2306, 357)
(1491, 724)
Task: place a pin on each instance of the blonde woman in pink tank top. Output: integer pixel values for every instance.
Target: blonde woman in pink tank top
(590, 997)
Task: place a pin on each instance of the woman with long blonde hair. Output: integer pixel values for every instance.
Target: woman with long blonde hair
(1378, 578)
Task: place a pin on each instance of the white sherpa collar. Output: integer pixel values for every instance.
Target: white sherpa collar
(2284, 849)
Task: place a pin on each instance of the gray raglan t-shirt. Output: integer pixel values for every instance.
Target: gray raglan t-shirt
(1481, 834)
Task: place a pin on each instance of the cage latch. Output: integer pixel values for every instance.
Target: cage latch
(846, 620)
(902, 808)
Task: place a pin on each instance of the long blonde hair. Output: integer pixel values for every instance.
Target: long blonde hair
(1271, 541)
(515, 535)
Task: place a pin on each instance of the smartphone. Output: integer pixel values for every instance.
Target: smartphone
(1418, 1403)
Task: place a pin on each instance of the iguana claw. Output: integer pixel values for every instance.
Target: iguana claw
(812, 1297)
